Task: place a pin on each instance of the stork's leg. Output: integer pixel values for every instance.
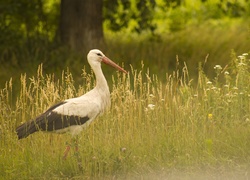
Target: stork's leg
(66, 152)
(77, 155)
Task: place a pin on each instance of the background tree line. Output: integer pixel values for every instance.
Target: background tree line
(58, 33)
(79, 24)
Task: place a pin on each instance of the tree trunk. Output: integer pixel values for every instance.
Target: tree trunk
(81, 24)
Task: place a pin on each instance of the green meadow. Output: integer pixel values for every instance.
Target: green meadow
(168, 125)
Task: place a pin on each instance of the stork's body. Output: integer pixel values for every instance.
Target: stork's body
(76, 113)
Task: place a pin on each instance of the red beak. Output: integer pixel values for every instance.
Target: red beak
(107, 61)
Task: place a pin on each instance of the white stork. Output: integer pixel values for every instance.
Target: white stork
(75, 114)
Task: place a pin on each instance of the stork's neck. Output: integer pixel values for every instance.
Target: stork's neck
(101, 83)
(101, 88)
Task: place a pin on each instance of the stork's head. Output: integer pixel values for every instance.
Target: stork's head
(96, 56)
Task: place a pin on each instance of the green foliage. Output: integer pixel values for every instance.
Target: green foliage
(135, 15)
(211, 39)
(28, 29)
(23, 22)
(31, 21)
(152, 126)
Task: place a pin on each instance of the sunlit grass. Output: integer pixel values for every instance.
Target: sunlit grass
(151, 125)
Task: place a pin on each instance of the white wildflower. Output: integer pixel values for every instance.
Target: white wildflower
(123, 149)
(151, 106)
(151, 95)
(241, 57)
(241, 64)
(217, 67)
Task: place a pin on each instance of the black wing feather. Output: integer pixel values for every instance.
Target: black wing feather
(49, 121)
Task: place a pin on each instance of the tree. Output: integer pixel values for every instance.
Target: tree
(119, 14)
(81, 24)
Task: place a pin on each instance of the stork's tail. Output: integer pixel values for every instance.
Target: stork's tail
(26, 129)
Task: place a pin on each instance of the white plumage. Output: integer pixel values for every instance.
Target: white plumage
(76, 113)
(90, 105)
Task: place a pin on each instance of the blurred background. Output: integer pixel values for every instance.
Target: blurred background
(163, 35)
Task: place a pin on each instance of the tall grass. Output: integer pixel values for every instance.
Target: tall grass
(151, 125)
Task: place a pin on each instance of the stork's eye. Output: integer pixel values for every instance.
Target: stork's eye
(99, 54)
